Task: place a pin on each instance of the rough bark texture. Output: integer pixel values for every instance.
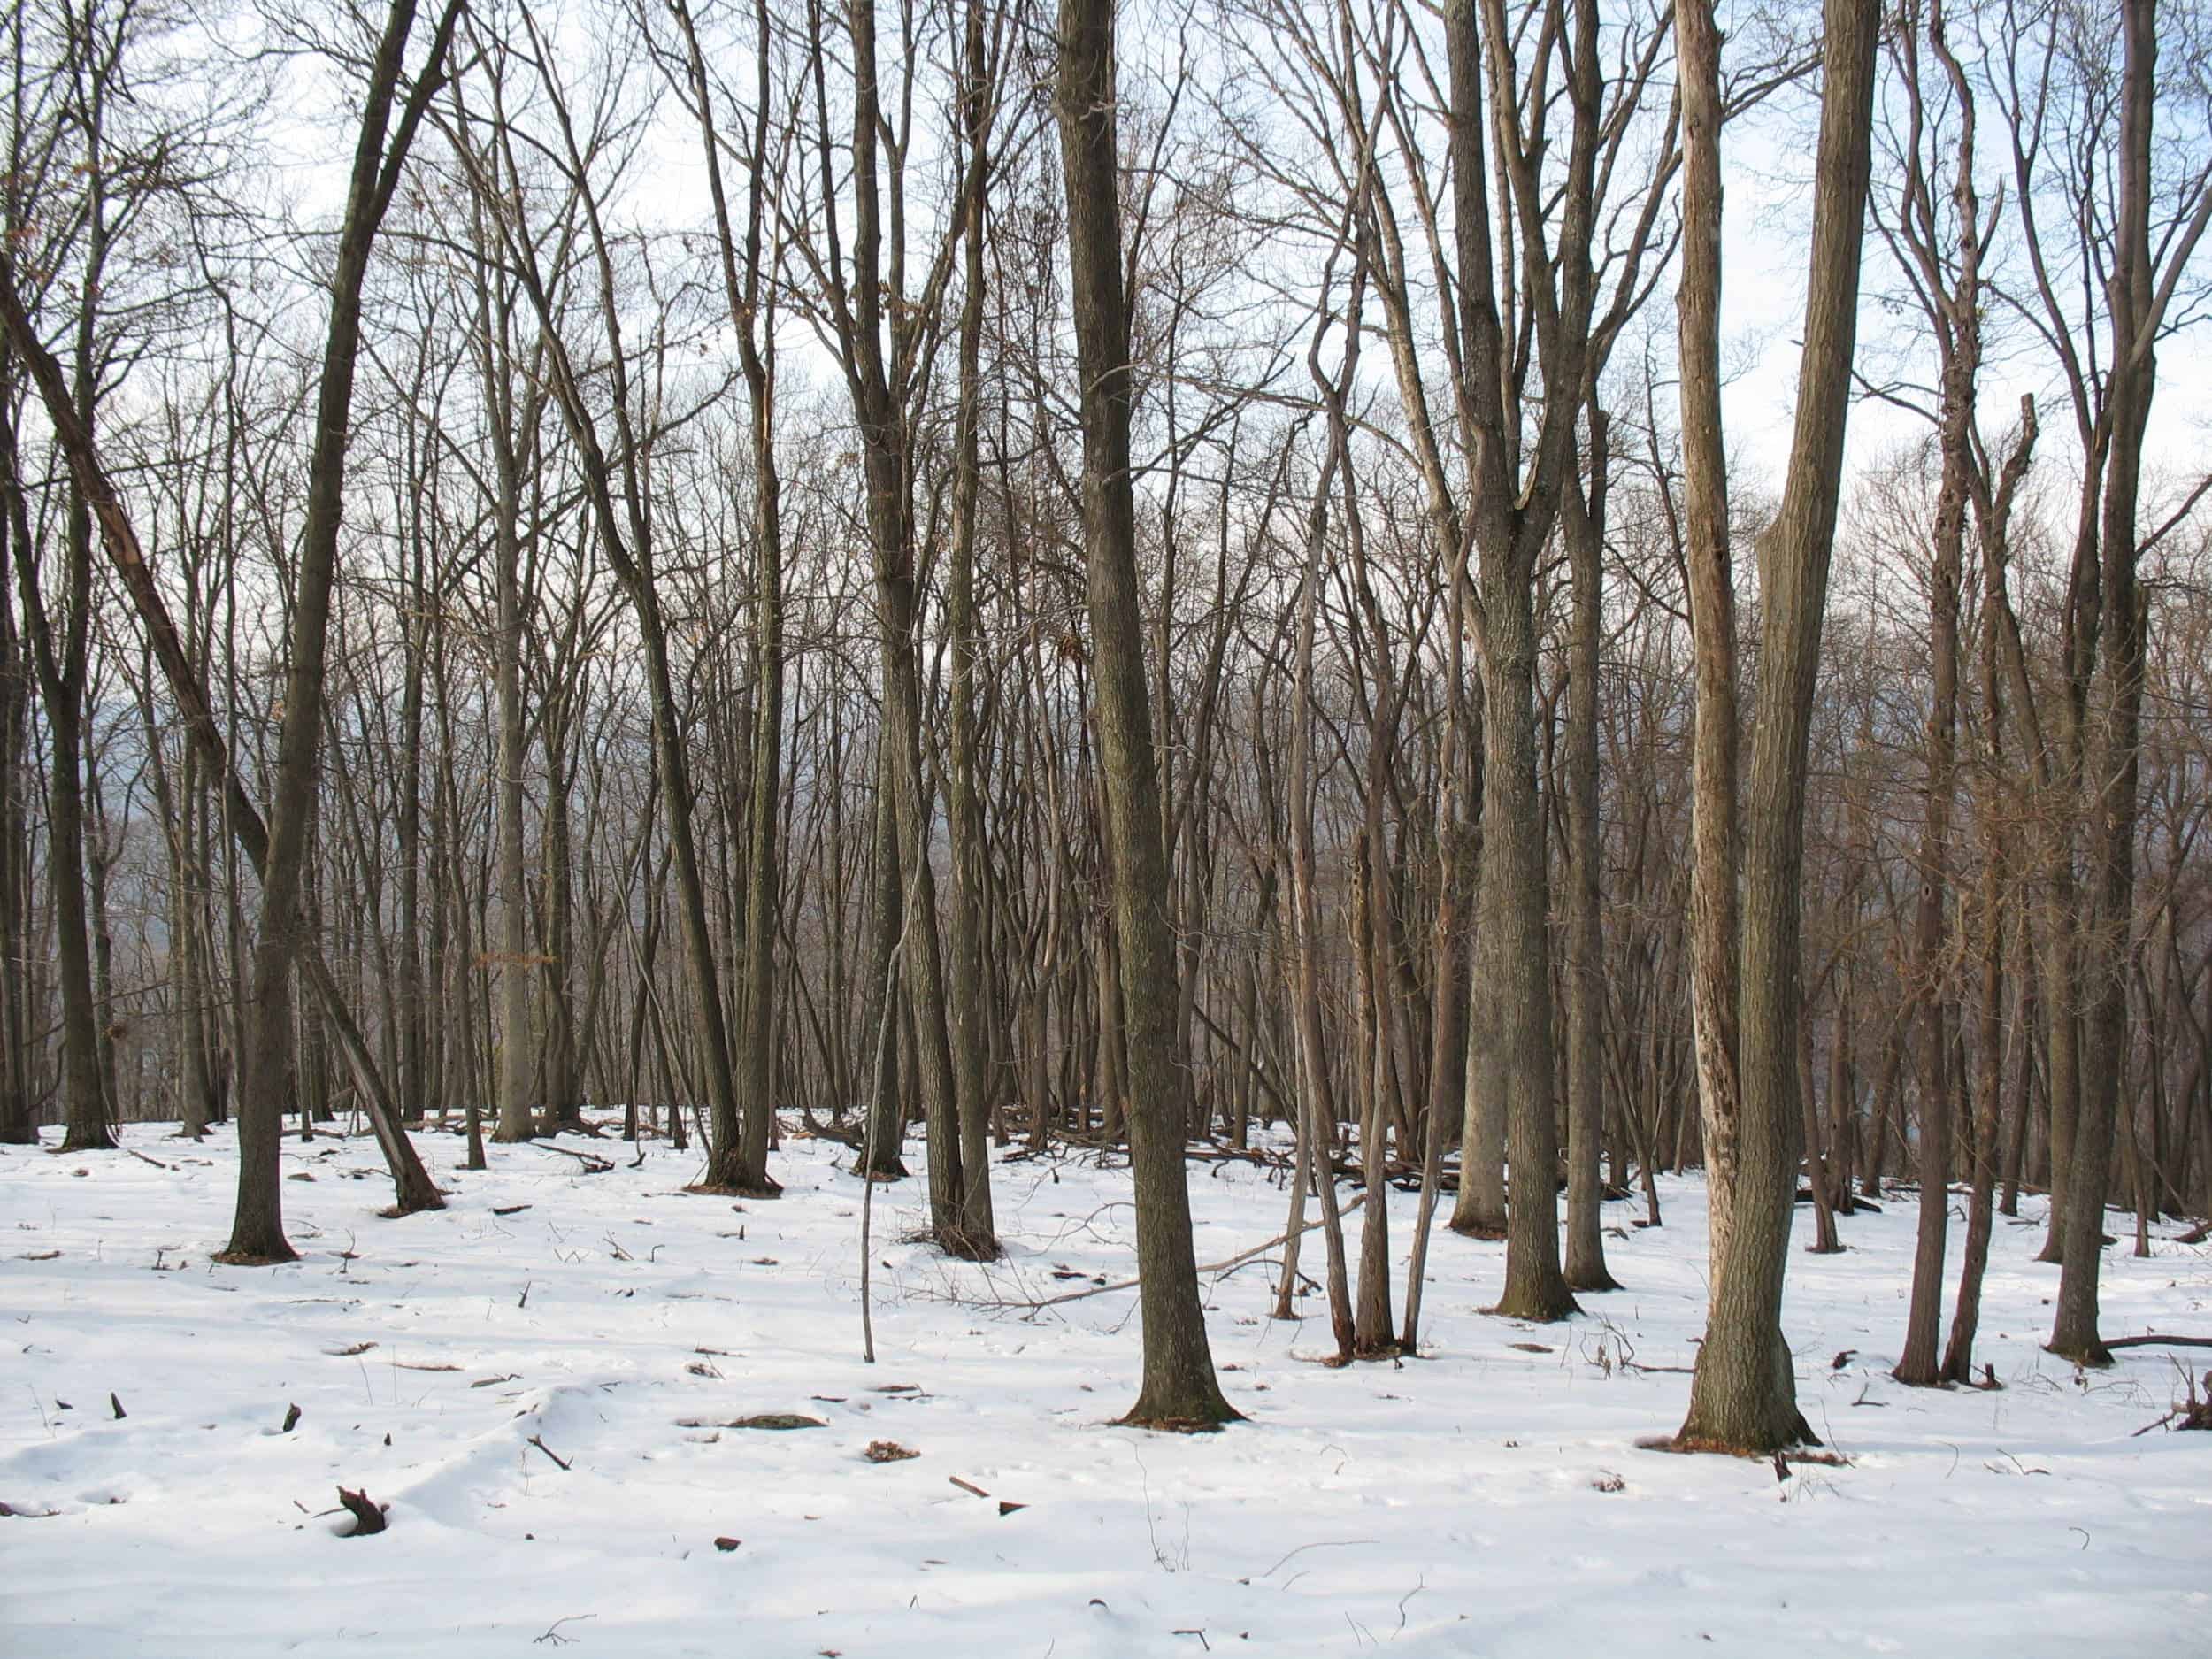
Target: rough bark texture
(1706, 549)
(1514, 894)
(1742, 1398)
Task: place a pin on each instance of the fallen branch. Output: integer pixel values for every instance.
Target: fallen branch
(549, 1452)
(2159, 1341)
(1228, 1265)
(593, 1163)
(1202, 1153)
(2190, 1413)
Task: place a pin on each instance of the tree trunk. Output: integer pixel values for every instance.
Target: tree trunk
(1583, 519)
(887, 1116)
(1742, 1398)
(2114, 752)
(1918, 1364)
(1716, 861)
(1480, 1211)
(967, 1013)
(512, 964)
(1179, 1389)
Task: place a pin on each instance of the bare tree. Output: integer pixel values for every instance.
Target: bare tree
(1743, 1396)
(1179, 1389)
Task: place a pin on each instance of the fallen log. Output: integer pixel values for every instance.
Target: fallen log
(2158, 1341)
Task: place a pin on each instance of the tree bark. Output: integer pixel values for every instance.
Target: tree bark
(1179, 1389)
(1583, 521)
(2114, 752)
(1742, 1397)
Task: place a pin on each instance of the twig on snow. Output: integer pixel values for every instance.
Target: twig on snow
(548, 1451)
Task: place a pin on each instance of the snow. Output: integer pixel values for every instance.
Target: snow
(1450, 1505)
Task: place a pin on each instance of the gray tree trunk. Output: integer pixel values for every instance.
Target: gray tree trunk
(1742, 1397)
(1179, 1389)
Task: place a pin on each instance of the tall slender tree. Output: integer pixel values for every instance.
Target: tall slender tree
(1743, 1395)
(1179, 1389)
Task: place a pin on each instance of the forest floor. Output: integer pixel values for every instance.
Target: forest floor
(1489, 1498)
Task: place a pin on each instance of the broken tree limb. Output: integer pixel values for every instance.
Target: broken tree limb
(1227, 1265)
(549, 1452)
(593, 1163)
(2158, 1341)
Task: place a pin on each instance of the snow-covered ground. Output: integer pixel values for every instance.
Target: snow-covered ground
(1488, 1499)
